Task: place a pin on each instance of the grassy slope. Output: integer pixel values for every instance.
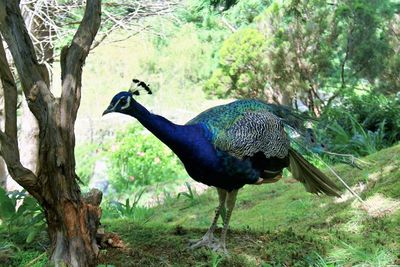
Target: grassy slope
(273, 225)
(278, 224)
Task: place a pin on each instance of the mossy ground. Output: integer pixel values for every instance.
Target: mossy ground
(278, 224)
(272, 225)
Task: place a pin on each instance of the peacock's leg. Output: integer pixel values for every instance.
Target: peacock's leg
(208, 239)
(230, 205)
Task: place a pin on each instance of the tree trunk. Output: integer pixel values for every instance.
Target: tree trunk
(72, 227)
(72, 219)
(72, 223)
(29, 139)
(3, 174)
(40, 32)
(286, 98)
(279, 96)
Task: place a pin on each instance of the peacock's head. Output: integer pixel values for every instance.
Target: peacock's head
(123, 101)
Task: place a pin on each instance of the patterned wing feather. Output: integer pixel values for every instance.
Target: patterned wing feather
(245, 127)
(255, 132)
(218, 119)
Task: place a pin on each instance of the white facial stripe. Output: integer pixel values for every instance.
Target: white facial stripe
(116, 104)
(127, 103)
(123, 107)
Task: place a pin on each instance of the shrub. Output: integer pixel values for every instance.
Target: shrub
(361, 124)
(241, 66)
(138, 158)
(19, 211)
(127, 209)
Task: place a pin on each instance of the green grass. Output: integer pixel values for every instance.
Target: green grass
(272, 225)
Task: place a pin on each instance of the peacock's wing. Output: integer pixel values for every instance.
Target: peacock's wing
(244, 128)
(255, 132)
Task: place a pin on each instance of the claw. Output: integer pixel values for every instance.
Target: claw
(210, 242)
(206, 241)
(219, 247)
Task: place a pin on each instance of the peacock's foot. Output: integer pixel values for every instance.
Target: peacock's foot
(210, 242)
(219, 247)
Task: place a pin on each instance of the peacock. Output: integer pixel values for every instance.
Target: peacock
(229, 146)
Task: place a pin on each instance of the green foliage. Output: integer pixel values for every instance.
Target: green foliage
(349, 254)
(245, 12)
(138, 158)
(279, 58)
(190, 194)
(390, 81)
(216, 259)
(225, 4)
(199, 13)
(355, 140)
(7, 251)
(373, 109)
(363, 35)
(18, 210)
(30, 258)
(186, 56)
(309, 47)
(361, 125)
(127, 209)
(240, 69)
(7, 205)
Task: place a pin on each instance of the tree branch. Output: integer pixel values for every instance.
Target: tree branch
(34, 76)
(72, 60)
(10, 94)
(23, 176)
(8, 139)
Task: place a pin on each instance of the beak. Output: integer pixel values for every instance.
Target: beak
(108, 110)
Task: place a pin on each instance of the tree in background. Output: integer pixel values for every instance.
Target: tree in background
(390, 78)
(283, 56)
(241, 67)
(313, 50)
(72, 220)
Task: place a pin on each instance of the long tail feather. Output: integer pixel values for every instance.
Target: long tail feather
(313, 179)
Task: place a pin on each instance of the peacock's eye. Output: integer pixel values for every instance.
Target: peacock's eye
(122, 101)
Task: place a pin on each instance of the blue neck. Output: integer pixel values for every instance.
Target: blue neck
(171, 134)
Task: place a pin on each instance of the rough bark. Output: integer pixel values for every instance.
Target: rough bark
(29, 131)
(72, 221)
(29, 139)
(8, 137)
(3, 172)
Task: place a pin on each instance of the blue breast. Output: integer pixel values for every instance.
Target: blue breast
(208, 165)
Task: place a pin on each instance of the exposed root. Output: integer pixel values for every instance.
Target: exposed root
(109, 240)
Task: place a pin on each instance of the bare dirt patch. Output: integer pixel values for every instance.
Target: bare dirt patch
(379, 206)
